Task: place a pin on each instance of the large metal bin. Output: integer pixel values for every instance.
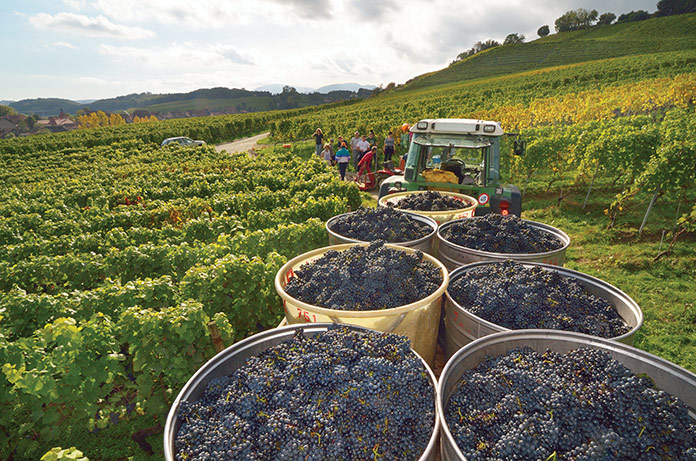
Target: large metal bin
(467, 210)
(419, 321)
(423, 244)
(667, 376)
(453, 255)
(233, 357)
(463, 327)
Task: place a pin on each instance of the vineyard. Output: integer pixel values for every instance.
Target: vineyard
(115, 260)
(125, 266)
(635, 38)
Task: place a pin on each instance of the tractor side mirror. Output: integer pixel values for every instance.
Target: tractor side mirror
(519, 147)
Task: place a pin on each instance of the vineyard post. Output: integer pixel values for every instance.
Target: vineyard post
(647, 212)
(215, 336)
(591, 184)
(676, 218)
(659, 250)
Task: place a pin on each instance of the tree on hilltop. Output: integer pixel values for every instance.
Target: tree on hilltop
(477, 48)
(543, 31)
(640, 15)
(606, 19)
(514, 38)
(671, 7)
(576, 20)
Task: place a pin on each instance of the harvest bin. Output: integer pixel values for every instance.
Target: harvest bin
(463, 327)
(424, 244)
(667, 376)
(233, 357)
(453, 255)
(418, 321)
(466, 211)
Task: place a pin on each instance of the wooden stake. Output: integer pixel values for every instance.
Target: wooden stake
(215, 336)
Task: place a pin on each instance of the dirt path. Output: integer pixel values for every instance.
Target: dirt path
(241, 145)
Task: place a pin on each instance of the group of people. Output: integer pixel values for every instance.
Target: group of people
(362, 150)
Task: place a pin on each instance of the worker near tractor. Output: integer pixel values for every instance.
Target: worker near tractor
(342, 158)
(388, 147)
(372, 140)
(354, 148)
(365, 161)
(362, 148)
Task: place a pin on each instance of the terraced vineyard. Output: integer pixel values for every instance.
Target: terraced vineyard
(662, 35)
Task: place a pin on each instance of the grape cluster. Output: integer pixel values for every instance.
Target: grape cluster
(365, 278)
(340, 394)
(500, 234)
(428, 201)
(517, 297)
(582, 405)
(381, 223)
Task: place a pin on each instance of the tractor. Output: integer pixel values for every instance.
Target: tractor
(458, 155)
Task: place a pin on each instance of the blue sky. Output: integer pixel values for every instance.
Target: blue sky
(80, 49)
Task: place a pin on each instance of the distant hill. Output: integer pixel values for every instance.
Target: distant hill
(344, 87)
(671, 33)
(219, 100)
(46, 107)
(276, 88)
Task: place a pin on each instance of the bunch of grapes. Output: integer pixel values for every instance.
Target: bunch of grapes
(340, 394)
(381, 223)
(517, 297)
(582, 405)
(500, 234)
(428, 201)
(365, 278)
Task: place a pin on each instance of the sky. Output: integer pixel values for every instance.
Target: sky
(95, 49)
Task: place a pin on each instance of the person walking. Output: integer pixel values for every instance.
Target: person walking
(354, 148)
(388, 147)
(343, 158)
(319, 141)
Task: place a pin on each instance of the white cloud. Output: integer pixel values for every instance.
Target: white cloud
(91, 27)
(181, 56)
(189, 15)
(64, 45)
(76, 4)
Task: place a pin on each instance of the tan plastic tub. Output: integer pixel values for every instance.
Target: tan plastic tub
(418, 321)
(467, 211)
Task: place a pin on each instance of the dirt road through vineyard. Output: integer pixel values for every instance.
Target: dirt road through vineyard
(241, 145)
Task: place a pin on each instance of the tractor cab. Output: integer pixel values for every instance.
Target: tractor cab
(458, 155)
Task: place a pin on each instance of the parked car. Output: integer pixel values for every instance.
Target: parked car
(183, 140)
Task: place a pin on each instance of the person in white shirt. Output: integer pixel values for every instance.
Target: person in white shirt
(354, 148)
(362, 147)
